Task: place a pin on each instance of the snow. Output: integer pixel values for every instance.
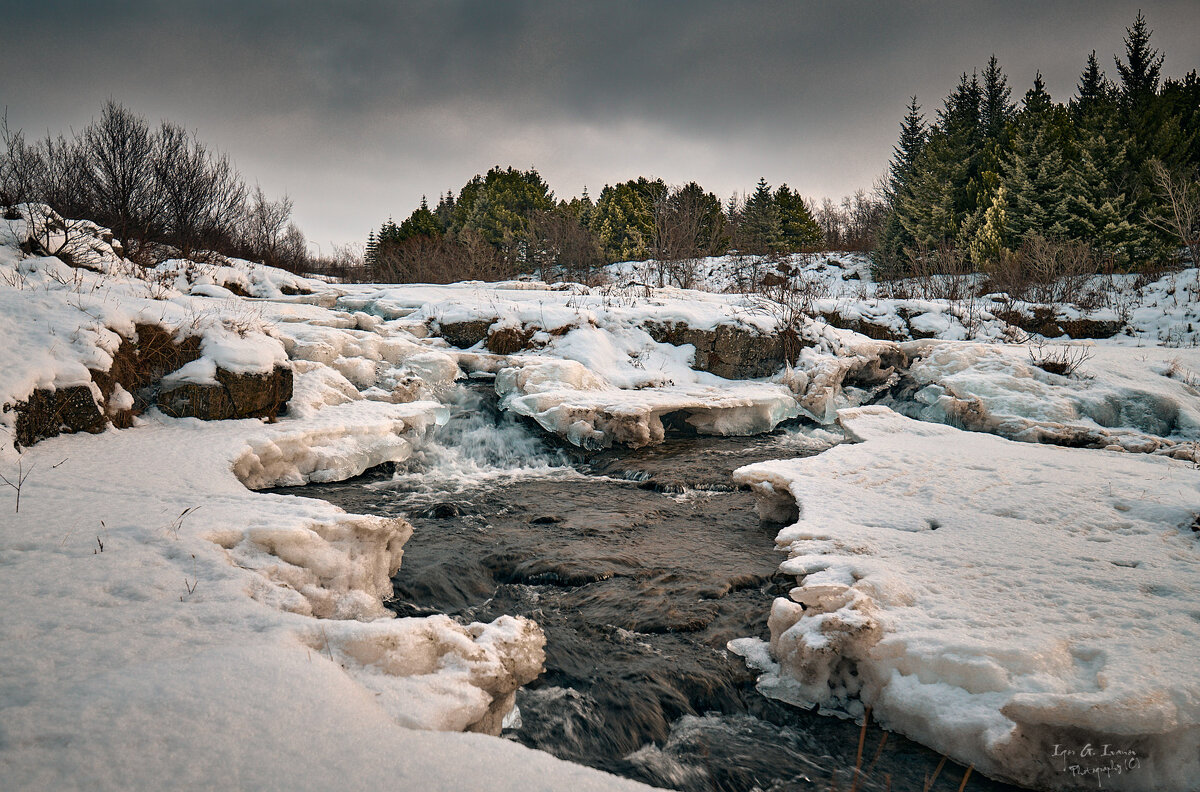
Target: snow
(1139, 399)
(167, 625)
(912, 601)
(564, 397)
(992, 599)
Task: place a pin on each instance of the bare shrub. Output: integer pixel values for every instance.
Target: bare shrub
(445, 259)
(1062, 359)
(789, 295)
(1180, 192)
(560, 247)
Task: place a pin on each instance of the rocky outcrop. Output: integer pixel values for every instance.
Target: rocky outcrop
(133, 384)
(48, 413)
(138, 366)
(464, 335)
(730, 351)
(1043, 320)
(231, 396)
(862, 326)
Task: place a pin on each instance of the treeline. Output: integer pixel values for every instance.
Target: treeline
(989, 181)
(162, 191)
(508, 222)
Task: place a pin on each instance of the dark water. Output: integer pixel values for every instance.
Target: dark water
(639, 566)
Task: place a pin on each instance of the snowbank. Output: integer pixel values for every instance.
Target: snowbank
(1137, 399)
(1000, 602)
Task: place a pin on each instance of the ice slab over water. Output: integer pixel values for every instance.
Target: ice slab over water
(564, 397)
(992, 599)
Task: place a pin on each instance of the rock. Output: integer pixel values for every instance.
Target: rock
(443, 511)
(879, 332)
(729, 351)
(1090, 328)
(233, 396)
(546, 519)
(47, 413)
(1044, 321)
(140, 363)
(509, 340)
(464, 335)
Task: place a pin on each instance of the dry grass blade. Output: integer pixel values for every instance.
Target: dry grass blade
(862, 738)
(929, 782)
(878, 753)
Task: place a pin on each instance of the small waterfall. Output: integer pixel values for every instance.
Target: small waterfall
(479, 445)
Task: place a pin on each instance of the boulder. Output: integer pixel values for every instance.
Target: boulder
(47, 413)
(232, 396)
(464, 335)
(730, 351)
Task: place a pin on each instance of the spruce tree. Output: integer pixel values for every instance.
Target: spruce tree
(762, 227)
(913, 135)
(996, 110)
(1037, 168)
(797, 227)
(1140, 72)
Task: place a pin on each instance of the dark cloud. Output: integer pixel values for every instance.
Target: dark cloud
(356, 109)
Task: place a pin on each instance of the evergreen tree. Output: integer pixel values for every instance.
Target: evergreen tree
(913, 135)
(1037, 169)
(421, 222)
(1140, 72)
(991, 241)
(894, 239)
(1094, 90)
(762, 225)
(996, 110)
(623, 218)
(498, 207)
(798, 229)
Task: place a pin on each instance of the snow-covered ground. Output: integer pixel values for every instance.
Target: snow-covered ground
(1001, 602)
(168, 626)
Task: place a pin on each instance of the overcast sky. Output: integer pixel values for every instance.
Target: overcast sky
(356, 109)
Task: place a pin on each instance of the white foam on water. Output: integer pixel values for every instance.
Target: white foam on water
(478, 447)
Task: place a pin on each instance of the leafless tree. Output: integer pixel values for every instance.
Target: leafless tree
(560, 246)
(116, 169)
(1181, 193)
(203, 197)
(270, 236)
(688, 225)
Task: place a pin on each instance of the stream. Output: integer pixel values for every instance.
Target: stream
(639, 566)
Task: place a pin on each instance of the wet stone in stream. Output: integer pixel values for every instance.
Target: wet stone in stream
(639, 566)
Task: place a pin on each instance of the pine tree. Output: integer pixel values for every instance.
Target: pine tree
(623, 218)
(1037, 168)
(1140, 72)
(913, 135)
(797, 227)
(893, 237)
(762, 227)
(996, 110)
(421, 222)
(991, 241)
(1093, 88)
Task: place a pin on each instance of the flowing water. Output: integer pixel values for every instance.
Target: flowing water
(639, 566)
